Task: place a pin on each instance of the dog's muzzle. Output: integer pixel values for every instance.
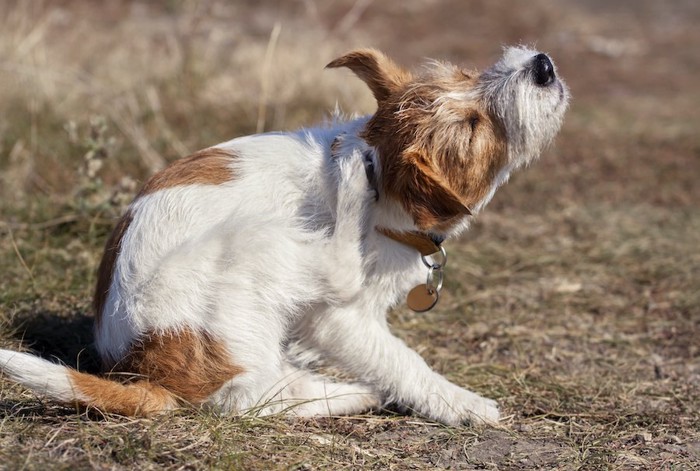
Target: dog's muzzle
(542, 70)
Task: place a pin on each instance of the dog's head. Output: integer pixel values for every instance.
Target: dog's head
(447, 138)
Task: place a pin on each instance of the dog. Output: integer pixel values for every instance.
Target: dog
(235, 271)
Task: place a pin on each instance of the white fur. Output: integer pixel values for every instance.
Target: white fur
(42, 376)
(284, 265)
(532, 115)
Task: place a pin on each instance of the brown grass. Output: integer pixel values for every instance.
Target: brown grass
(574, 300)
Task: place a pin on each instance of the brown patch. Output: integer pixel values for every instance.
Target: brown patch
(424, 193)
(106, 268)
(191, 365)
(207, 167)
(438, 154)
(140, 398)
(383, 76)
(166, 370)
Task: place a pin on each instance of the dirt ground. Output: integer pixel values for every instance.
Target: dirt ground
(574, 301)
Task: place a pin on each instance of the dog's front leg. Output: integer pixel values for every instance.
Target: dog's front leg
(363, 345)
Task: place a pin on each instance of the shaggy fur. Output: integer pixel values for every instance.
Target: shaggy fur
(236, 269)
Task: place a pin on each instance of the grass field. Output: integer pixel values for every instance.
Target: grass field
(574, 301)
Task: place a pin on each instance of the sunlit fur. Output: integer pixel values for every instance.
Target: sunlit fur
(236, 270)
(531, 114)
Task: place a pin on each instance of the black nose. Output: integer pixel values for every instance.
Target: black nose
(543, 70)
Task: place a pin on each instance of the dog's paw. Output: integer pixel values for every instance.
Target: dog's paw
(352, 175)
(481, 410)
(355, 168)
(467, 407)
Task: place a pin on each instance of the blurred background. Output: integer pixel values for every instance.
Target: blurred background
(576, 296)
(169, 77)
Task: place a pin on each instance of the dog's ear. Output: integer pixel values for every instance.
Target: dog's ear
(381, 74)
(425, 194)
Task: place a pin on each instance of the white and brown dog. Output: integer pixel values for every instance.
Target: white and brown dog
(237, 268)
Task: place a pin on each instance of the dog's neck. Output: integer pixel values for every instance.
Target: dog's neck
(425, 243)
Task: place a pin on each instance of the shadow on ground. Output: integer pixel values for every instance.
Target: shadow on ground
(55, 336)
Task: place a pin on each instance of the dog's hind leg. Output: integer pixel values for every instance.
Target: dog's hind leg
(305, 394)
(345, 270)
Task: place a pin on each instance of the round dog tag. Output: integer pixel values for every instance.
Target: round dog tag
(421, 299)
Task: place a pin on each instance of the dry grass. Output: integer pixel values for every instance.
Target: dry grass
(575, 302)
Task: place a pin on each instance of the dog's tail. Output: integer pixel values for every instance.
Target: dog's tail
(68, 386)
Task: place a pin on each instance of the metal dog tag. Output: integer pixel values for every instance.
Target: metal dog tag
(421, 298)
